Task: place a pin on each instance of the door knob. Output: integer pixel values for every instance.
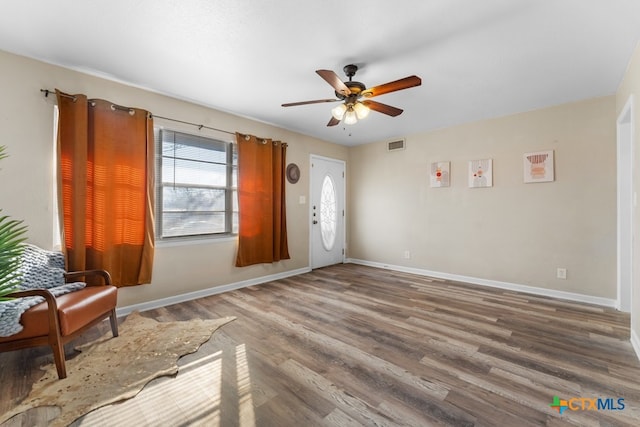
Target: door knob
(315, 222)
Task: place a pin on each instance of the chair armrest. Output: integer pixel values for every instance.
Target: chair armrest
(52, 308)
(72, 275)
(48, 296)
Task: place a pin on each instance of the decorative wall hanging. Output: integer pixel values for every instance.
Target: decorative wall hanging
(293, 173)
(538, 166)
(439, 174)
(481, 173)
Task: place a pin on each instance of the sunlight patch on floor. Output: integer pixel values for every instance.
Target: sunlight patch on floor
(193, 397)
(246, 414)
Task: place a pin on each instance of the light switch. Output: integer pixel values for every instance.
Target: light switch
(302, 200)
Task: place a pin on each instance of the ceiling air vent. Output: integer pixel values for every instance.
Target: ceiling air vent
(396, 145)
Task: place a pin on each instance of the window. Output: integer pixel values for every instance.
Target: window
(196, 181)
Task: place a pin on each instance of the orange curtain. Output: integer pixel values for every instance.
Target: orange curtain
(107, 187)
(261, 201)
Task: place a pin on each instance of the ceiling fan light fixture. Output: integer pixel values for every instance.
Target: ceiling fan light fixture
(338, 112)
(349, 93)
(350, 117)
(361, 110)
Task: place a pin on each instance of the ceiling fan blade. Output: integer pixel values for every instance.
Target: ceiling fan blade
(333, 121)
(383, 108)
(333, 79)
(317, 101)
(405, 83)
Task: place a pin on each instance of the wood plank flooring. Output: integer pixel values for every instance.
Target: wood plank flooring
(350, 345)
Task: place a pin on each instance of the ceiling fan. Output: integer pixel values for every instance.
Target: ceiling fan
(353, 108)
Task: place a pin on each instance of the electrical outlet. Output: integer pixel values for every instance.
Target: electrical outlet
(407, 254)
(561, 273)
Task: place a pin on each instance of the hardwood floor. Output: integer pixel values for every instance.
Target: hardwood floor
(350, 345)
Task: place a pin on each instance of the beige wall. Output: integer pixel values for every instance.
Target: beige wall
(513, 232)
(26, 128)
(630, 86)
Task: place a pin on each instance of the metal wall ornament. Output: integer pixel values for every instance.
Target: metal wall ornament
(293, 173)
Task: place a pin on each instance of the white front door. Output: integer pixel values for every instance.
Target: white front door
(327, 211)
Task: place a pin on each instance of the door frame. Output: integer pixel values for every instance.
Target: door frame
(626, 203)
(344, 204)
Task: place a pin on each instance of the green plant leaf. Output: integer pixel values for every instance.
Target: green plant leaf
(11, 238)
(12, 235)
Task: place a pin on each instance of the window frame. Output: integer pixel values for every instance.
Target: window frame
(229, 189)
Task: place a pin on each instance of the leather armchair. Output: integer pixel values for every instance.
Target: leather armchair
(58, 320)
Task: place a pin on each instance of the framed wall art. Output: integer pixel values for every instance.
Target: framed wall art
(538, 166)
(481, 173)
(439, 174)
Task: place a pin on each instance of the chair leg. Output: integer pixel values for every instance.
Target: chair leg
(58, 357)
(114, 322)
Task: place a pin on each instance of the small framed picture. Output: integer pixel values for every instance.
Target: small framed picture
(481, 173)
(538, 166)
(440, 174)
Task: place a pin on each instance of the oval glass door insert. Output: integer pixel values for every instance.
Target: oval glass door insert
(328, 213)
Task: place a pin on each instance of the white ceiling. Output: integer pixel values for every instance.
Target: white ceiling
(477, 58)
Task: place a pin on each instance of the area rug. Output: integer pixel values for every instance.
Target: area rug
(110, 370)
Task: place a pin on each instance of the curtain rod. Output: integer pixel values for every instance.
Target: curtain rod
(193, 124)
(199, 126)
(48, 91)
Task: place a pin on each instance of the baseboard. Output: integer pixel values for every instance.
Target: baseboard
(492, 283)
(150, 305)
(163, 302)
